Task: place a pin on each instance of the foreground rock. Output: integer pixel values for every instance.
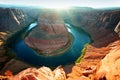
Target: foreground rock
(88, 64)
(102, 65)
(50, 35)
(43, 73)
(109, 67)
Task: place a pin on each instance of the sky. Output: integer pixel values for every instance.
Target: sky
(64, 3)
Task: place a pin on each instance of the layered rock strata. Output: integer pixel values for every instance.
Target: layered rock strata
(109, 67)
(50, 35)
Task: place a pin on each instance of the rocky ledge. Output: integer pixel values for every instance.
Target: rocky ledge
(43, 73)
(103, 65)
(109, 67)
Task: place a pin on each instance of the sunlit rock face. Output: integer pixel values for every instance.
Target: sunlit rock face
(109, 67)
(42, 73)
(50, 34)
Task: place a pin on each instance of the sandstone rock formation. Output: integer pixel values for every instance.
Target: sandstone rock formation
(50, 35)
(109, 67)
(43, 73)
(88, 64)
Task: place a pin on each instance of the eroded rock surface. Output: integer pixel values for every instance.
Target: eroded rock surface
(102, 65)
(43, 73)
(50, 35)
(88, 64)
(109, 67)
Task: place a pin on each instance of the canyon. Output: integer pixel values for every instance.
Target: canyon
(101, 60)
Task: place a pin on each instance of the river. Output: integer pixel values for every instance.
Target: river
(28, 55)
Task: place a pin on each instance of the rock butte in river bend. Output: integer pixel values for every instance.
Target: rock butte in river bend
(50, 34)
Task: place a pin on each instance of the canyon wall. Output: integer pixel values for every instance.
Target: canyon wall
(11, 21)
(99, 23)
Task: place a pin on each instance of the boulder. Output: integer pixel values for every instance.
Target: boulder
(50, 35)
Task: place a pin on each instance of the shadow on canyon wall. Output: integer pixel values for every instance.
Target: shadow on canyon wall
(99, 23)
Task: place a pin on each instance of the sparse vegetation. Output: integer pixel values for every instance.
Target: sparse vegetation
(82, 54)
